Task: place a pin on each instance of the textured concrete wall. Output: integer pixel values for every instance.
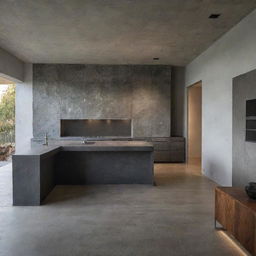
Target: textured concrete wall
(140, 93)
(230, 56)
(24, 111)
(244, 152)
(11, 67)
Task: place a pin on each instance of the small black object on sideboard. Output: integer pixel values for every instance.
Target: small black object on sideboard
(251, 190)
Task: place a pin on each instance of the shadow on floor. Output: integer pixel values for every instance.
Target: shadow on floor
(167, 177)
(6, 185)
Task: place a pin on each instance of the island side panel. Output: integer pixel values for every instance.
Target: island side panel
(105, 167)
(47, 175)
(26, 180)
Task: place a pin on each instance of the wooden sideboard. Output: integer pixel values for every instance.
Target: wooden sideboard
(236, 212)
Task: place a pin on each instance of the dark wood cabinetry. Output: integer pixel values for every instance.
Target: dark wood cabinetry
(167, 149)
(170, 149)
(237, 215)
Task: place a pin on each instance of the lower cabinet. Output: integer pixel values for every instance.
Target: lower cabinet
(237, 215)
(170, 150)
(167, 149)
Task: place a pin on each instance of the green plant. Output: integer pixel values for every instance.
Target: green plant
(7, 110)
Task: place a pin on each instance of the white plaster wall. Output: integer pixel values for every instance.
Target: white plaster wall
(11, 67)
(24, 110)
(233, 54)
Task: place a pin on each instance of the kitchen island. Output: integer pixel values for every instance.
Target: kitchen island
(38, 170)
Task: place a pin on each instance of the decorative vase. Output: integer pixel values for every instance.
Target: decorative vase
(251, 190)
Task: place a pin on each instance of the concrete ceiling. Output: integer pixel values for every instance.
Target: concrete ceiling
(115, 31)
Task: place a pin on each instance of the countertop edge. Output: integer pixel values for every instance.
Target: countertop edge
(46, 150)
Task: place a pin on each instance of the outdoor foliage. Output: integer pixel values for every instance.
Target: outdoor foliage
(7, 110)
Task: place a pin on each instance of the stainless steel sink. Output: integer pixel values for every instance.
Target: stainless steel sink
(88, 142)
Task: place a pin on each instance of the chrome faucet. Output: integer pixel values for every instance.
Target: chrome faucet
(84, 140)
(45, 140)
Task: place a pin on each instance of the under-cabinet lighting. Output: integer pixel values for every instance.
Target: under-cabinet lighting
(233, 243)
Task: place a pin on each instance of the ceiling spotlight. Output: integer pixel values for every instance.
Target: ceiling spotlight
(214, 16)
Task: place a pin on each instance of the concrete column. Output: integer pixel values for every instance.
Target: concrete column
(24, 110)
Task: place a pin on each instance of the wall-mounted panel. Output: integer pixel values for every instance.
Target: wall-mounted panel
(250, 133)
(244, 146)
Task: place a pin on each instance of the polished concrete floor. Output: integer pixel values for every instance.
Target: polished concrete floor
(5, 185)
(173, 218)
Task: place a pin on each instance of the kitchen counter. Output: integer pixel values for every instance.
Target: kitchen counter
(96, 146)
(109, 146)
(37, 170)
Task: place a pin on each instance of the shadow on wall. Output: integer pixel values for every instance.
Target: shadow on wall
(213, 168)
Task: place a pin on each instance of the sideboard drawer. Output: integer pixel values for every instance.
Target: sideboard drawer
(244, 227)
(225, 211)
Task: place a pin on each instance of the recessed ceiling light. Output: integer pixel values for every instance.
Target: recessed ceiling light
(155, 58)
(214, 16)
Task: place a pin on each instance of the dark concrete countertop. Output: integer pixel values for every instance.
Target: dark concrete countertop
(110, 146)
(97, 146)
(38, 151)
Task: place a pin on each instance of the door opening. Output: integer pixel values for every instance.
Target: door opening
(194, 149)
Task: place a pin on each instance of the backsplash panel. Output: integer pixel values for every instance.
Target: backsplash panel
(140, 93)
(96, 128)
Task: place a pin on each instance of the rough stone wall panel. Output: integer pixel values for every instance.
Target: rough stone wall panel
(70, 91)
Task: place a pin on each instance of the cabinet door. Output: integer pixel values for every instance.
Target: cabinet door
(245, 227)
(224, 210)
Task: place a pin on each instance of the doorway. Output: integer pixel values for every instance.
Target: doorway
(194, 147)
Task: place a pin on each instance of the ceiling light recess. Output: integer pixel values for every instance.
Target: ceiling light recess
(214, 16)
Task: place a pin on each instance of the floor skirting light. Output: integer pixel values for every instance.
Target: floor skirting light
(234, 243)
